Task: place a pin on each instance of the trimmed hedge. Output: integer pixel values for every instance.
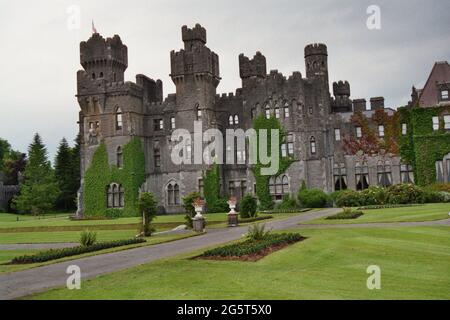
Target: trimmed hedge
(54, 254)
(389, 206)
(345, 215)
(254, 219)
(312, 198)
(277, 211)
(249, 247)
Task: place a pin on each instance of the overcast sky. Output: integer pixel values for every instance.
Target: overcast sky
(39, 54)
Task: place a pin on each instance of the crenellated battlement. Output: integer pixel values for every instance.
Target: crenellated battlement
(198, 33)
(341, 88)
(316, 49)
(255, 67)
(98, 49)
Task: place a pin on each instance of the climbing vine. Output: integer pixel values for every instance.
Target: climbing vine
(100, 175)
(262, 181)
(211, 190)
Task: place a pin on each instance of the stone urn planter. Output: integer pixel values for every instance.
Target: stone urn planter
(233, 220)
(198, 221)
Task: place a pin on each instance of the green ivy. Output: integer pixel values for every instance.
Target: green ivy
(100, 175)
(262, 181)
(211, 190)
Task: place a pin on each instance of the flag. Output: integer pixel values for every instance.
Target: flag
(93, 27)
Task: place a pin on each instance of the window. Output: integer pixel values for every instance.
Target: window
(283, 150)
(157, 157)
(381, 131)
(278, 186)
(236, 119)
(277, 113)
(439, 172)
(199, 114)
(253, 114)
(115, 196)
(435, 123)
(158, 124)
(362, 176)
(267, 112)
(406, 173)
(337, 134)
(119, 122)
(447, 122)
(444, 95)
(200, 186)
(172, 123)
(340, 176)
(173, 194)
(243, 188)
(312, 143)
(286, 111)
(384, 174)
(188, 150)
(93, 76)
(230, 120)
(119, 154)
(290, 144)
(358, 132)
(404, 129)
(310, 110)
(101, 75)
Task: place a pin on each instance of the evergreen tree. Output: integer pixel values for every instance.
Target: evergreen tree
(14, 164)
(5, 149)
(39, 190)
(64, 176)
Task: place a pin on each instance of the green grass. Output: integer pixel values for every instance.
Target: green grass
(7, 255)
(428, 212)
(328, 265)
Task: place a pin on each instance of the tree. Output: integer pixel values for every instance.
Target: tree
(5, 149)
(147, 207)
(14, 164)
(64, 176)
(188, 206)
(39, 190)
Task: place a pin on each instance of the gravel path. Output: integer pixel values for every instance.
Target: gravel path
(21, 283)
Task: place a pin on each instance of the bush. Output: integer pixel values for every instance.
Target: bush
(349, 198)
(444, 187)
(147, 207)
(248, 206)
(288, 203)
(219, 206)
(189, 208)
(312, 198)
(54, 254)
(346, 214)
(405, 194)
(257, 232)
(374, 195)
(250, 246)
(88, 238)
(247, 220)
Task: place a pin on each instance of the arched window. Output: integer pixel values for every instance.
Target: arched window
(277, 113)
(115, 196)
(362, 176)
(340, 176)
(278, 186)
(199, 113)
(93, 76)
(119, 121)
(285, 185)
(267, 111)
(236, 119)
(230, 120)
(286, 110)
(101, 75)
(312, 143)
(157, 157)
(173, 194)
(119, 157)
(384, 173)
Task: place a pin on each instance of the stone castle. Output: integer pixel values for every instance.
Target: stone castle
(114, 111)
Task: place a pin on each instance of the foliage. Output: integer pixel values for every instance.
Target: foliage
(248, 206)
(348, 198)
(39, 190)
(88, 238)
(249, 246)
(54, 254)
(440, 187)
(189, 209)
(67, 172)
(255, 219)
(147, 206)
(100, 175)
(312, 198)
(211, 189)
(405, 194)
(5, 149)
(288, 203)
(277, 211)
(257, 232)
(262, 181)
(374, 195)
(346, 214)
(14, 164)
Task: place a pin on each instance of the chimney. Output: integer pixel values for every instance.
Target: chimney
(377, 103)
(359, 105)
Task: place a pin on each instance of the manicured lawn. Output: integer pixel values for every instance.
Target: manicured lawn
(330, 264)
(427, 212)
(7, 255)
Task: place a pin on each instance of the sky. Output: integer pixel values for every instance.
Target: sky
(39, 54)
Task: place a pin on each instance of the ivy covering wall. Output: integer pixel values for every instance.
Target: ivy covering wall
(211, 190)
(422, 146)
(100, 175)
(262, 181)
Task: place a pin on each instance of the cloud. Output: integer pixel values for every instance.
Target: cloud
(40, 57)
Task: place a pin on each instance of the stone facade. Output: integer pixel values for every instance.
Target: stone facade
(114, 111)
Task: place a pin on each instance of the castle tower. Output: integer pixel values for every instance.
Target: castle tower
(104, 58)
(316, 61)
(341, 101)
(195, 73)
(252, 69)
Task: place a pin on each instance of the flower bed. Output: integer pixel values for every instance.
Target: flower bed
(54, 254)
(252, 250)
(389, 206)
(275, 211)
(345, 215)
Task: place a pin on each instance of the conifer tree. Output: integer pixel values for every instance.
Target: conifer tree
(64, 176)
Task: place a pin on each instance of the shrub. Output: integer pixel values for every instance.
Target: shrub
(147, 207)
(348, 198)
(374, 195)
(54, 254)
(219, 206)
(247, 220)
(445, 187)
(250, 246)
(347, 213)
(257, 232)
(288, 203)
(405, 194)
(88, 238)
(189, 208)
(248, 206)
(312, 198)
